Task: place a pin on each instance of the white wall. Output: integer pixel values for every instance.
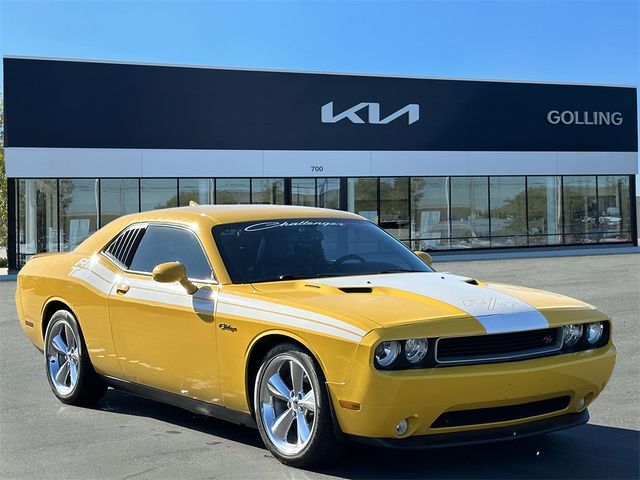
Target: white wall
(81, 162)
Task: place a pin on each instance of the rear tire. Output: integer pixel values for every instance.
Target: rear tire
(68, 367)
(292, 407)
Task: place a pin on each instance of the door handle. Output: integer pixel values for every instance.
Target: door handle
(122, 288)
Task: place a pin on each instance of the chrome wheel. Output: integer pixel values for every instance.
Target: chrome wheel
(287, 403)
(63, 357)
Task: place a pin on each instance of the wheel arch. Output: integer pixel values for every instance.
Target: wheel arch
(50, 307)
(259, 348)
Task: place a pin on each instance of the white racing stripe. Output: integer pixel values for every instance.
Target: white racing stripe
(278, 309)
(90, 271)
(286, 320)
(497, 312)
(204, 301)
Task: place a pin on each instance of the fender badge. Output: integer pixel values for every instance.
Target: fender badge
(226, 326)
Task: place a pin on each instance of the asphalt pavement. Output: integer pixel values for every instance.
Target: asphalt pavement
(128, 437)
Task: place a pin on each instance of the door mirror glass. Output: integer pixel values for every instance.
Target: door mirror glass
(171, 272)
(425, 257)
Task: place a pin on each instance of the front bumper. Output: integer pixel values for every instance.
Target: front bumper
(422, 397)
(458, 439)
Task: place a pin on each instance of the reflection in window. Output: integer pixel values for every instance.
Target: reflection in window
(614, 218)
(78, 204)
(469, 212)
(199, 190)
(362, 197)
(267, 191)
(544, 197)
(430, 212)
(158, 193)
(303, 192)
(233, 191)
(394, 207)
(37, 218)
(328, 193)
(580, 209)
(162, 244)
(118, 196)
(508, 211)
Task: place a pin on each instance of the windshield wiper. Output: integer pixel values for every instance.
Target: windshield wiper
(291, 276)
(297, 276)
(400, 270)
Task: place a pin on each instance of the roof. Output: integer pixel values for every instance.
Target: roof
(221, 214)
(206, 215)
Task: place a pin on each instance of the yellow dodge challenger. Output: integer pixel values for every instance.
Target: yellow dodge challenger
(314, 325)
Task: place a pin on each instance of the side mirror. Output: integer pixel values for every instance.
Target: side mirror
(170, 272)
(424, 256)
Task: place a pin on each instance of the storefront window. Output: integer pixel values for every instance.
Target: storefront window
(430, 212)
(362, 197)
(508, 211)
(394, 206)
(199, 190)
(470, 212)
(233, 191)
(78, 204)
(580, 209)
(158, 193)
(37, 217)
(544, 199)
(118, 196)
(328, 192)
(267, 191)
(614, 218)
(303, 192)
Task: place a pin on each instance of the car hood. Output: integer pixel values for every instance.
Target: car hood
(389, 300)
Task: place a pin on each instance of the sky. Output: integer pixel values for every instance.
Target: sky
(545, 40)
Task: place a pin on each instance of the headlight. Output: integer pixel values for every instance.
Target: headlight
(594, 332)
(415, 349)
(387, 353)
(571, 334)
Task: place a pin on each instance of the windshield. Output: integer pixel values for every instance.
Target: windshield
(310, 248)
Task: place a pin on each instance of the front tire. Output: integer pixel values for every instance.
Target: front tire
(68, 367)
(292, 408)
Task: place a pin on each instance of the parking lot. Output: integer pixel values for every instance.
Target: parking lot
(128, 437)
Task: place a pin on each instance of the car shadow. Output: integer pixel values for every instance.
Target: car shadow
(585, 452)
(120, 402)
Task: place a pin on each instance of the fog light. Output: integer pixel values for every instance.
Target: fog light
(571, 334)
(594, 332)
(581, 403)
(402, 427)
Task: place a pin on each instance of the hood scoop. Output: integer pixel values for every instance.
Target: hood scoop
(472, 281)
(355, 289)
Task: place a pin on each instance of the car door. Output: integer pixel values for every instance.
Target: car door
(165, 337)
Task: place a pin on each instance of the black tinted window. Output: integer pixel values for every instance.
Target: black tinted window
(169, 244)
(308, 248)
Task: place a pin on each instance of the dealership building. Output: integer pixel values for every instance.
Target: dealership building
(442, 164)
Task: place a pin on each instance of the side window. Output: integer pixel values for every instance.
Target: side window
(168, 244)
(124, 245)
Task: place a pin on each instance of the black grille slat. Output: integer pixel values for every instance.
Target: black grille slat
(480, 348)
(506, 413)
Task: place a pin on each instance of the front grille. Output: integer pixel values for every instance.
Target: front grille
(498, 347)
(480, 416)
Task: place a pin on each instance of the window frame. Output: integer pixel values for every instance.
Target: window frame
(145, 225)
